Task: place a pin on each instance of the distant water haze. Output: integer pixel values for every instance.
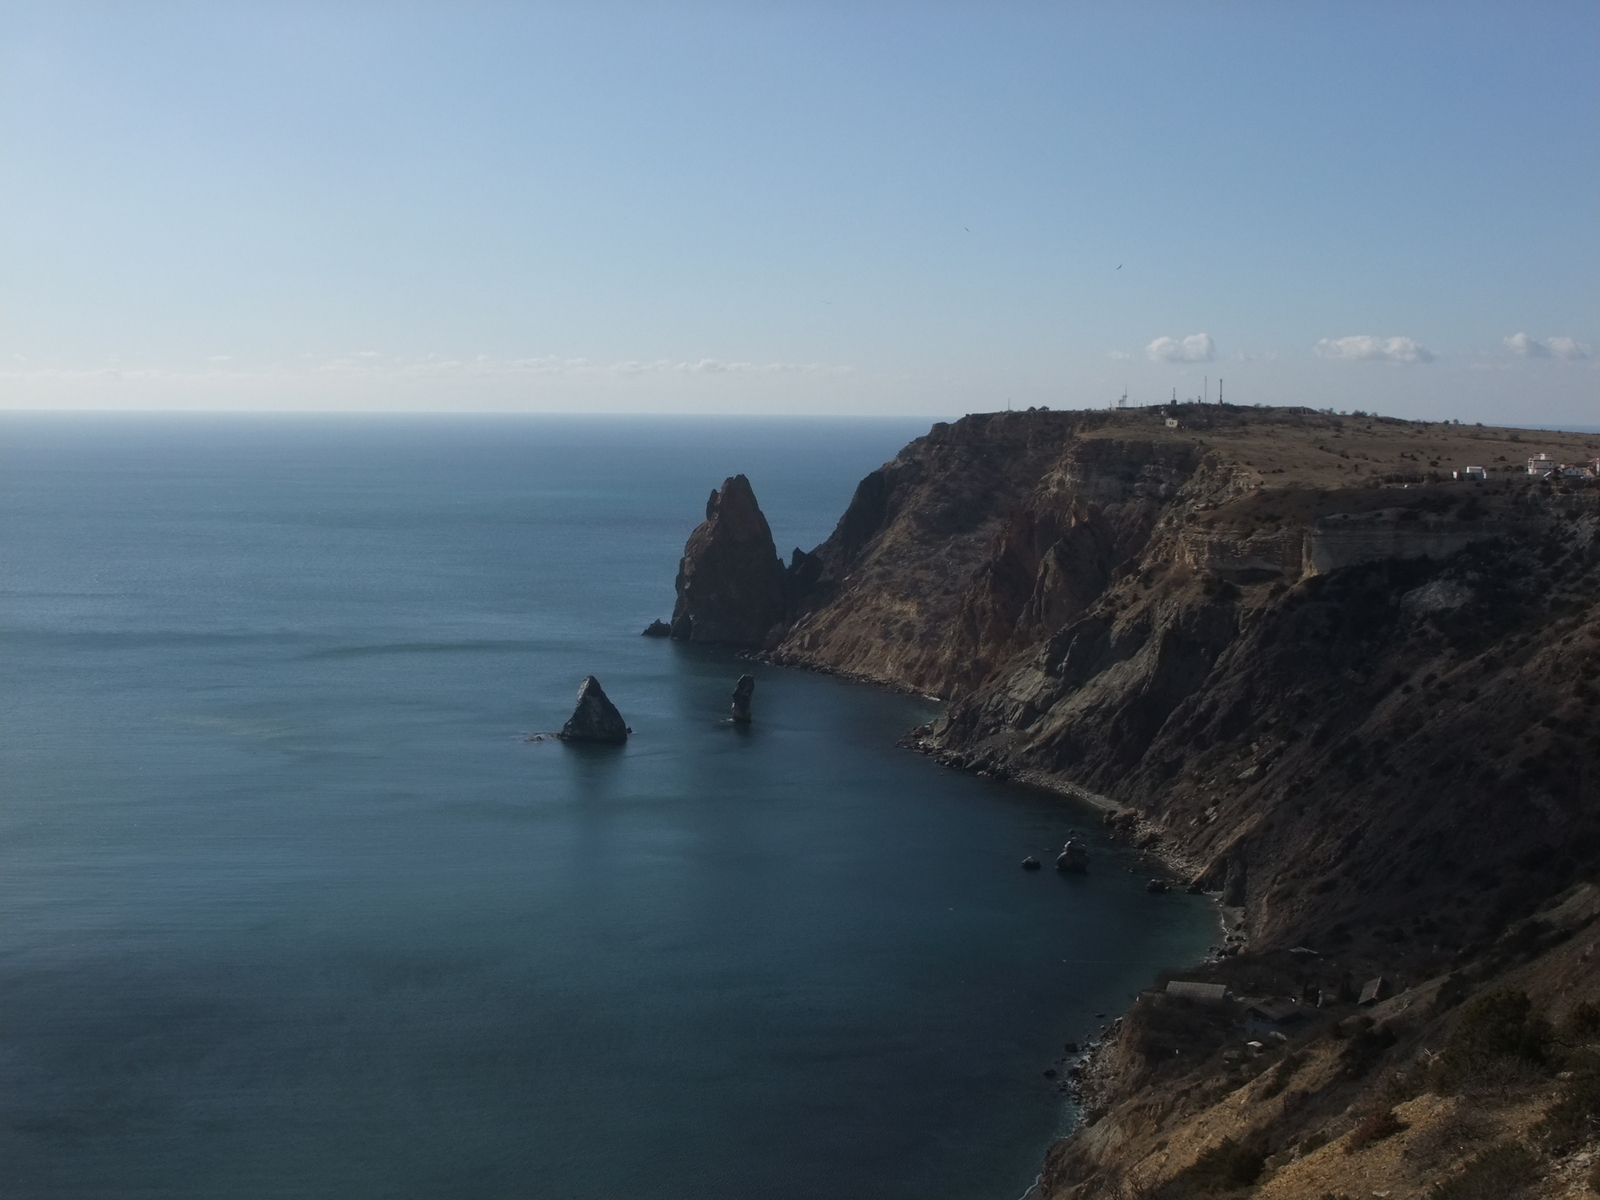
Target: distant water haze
(289, 904)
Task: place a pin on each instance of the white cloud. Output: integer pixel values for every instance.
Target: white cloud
(220, 358)
(1524, 346)
(1119, 355)
(1365, 347)
(1197, 347)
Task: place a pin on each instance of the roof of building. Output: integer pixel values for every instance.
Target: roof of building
(1196, 991)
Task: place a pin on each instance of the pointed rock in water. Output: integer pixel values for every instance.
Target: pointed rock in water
(730, 580)
(657, 628)
(743, 692)
(595, 719)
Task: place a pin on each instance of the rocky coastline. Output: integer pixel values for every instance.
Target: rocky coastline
(1322, 671)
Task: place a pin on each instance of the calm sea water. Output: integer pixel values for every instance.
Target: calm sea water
(290, 907)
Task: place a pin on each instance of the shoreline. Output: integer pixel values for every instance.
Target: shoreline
(1120, 817)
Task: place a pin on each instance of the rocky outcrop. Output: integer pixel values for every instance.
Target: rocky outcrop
(743, 692)
(731, 583)
(657, 629)
(595, 719)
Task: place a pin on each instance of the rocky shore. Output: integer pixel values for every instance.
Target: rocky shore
(1294, 656)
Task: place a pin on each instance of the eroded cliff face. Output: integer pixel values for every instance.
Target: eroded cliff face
(1296, 656)
(1352, 697)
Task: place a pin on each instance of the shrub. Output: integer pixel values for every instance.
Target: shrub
(1581, 1025)
(1575, 1115)
(1281, 1074)
(1364, 1050)
(1224, 1166)
(1495, 1029)
(1374, 1128)
(1493, 1175)
(1313, 1142)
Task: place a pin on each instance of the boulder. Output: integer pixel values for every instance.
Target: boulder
(743, 692)
(1074, 856)
(730, 581)
(657, 628)
(595, 719)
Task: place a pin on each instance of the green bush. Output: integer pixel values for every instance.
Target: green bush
(1224, 1166)
(1495, 1028)
(1493, 1175)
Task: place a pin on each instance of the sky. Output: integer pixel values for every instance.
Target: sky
(765, 208)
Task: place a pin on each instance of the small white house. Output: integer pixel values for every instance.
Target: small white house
(1541, 464)
(1470, 473)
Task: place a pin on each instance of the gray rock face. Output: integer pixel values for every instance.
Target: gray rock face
(731, 581)
(595, 719)
(743, 692)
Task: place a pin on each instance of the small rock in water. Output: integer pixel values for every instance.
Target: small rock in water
(1073, 857)
(657, 628)
(595, 719)
(743, 692)
(1158, 887)
(1030, 863)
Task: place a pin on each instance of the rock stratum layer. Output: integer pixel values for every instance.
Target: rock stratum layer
(1304, 662)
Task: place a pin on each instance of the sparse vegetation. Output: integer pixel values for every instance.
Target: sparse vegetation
(1497, 1034)
(1496, 1174)
(1373, 1128)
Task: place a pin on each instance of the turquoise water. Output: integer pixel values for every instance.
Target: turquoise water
(289, 906)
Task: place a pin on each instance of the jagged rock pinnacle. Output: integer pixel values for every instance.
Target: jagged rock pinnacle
(595, 719)
(730, 582)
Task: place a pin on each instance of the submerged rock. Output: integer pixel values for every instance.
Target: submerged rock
(743, 692)
(595, 719)
(657, 628)
(730, 581)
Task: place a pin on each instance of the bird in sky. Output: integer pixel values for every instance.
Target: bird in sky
(1119, 266)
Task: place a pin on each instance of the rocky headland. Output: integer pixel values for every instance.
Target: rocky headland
(1293, 656)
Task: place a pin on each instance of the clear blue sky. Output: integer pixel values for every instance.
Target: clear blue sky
(806, 207)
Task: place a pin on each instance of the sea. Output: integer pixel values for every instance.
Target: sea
(294, 903)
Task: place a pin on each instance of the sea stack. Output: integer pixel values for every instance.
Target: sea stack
(730, 580)
(595, 719)
(743, 692)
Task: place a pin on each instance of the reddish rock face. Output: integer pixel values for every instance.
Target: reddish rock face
(730, 581)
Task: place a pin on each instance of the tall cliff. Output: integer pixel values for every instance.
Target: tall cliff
(1285, 639)
(1355, 696)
